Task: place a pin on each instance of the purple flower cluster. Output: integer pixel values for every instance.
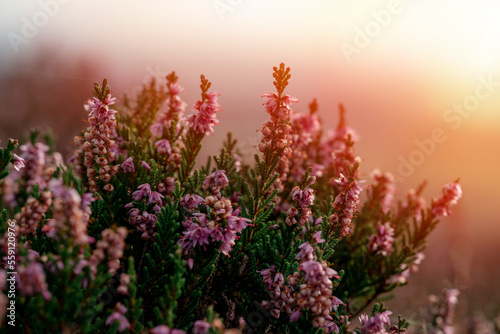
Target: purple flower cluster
(128, 165)
(375, 324)
(337, 147)
(221, 225)
(99, 150)
(215, 182)
(308, 289)
(441, 207)
(70, 214)
(34, 166)
(164, 329)
(18, 162)
(145, 220)
(306, 128)
(174, 111)
(109, 248)
(191, 202)
(381, 242)
(384, 185)
(204, 119)
(304, 199)
(119, 315)
(277, 132)
(31, 277)
(346, 203)
(31, 213)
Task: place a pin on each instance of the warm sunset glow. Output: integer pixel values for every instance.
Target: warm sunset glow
(420, 82)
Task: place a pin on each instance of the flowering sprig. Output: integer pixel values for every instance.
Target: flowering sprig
(99, 147)
(441, 207)
(307, 290)
(169, 125)
(200, 124)
(346, 203)
(381, 242)
(276, 140)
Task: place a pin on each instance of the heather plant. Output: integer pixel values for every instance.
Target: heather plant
(128, 235)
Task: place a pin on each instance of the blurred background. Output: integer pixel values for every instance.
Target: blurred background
(420, 81)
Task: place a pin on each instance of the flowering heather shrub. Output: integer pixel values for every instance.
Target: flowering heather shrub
(127, 236)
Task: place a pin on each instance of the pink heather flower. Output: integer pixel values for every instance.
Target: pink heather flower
(384, 184)
(306, 252)
(381, 242)
(119, 315)
(162, 329)
(304, 198)
(18, 162)
(191, 202)
(201, 327)
(236, 223)
(144, 221)
(441, 207)
(317, 237)
(31, 280)
(375, 324)
(271, 105)
(124, 282)
(223, 227)
(154, 197)
(175, 89)
(174, 112)
(295, 316)
(70, 218)
(109, 248)
(195, 234)
(128, 166)
(451, 295)
(34, 165)
(98, 147)
(87, 199)
(31, 213)
(215, 182)
(346, 203)
(204, 120)
(145, 165)
(163, 146)
(142, 191)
